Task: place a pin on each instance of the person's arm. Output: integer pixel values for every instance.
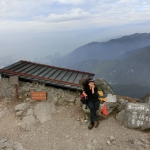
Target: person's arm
(94, 91)
(85, 95)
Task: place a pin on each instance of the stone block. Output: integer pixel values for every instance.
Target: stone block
(137, 115)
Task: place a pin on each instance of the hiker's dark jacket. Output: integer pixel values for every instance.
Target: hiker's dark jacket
(92, 97)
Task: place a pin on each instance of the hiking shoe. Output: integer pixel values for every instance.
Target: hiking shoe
(90, 126)
(96, 123)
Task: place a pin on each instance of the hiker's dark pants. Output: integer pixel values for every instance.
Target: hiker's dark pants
(93, 106)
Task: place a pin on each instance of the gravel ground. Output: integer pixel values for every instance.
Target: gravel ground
(67, 130)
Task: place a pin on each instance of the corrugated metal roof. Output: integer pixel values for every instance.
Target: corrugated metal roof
(50, 75)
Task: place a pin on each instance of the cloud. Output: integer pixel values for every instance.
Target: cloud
(74, 14)
(71, 1)
(58, 15)
(14, 9)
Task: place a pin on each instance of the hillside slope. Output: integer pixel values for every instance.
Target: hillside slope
(105, 50)
(132, 70)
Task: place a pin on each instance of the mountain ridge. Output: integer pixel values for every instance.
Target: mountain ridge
(109, 50)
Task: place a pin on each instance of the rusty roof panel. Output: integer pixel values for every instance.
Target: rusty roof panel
(50, 75)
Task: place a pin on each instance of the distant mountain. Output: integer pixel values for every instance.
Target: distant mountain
(103, 51)
(132, 70)
(131, 90)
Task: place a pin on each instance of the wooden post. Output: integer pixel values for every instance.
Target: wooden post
(17, 95)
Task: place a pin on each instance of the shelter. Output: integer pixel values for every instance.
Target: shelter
(49, 75)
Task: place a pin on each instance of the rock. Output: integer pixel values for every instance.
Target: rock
(85, 121)
(112, 138)
(44, 110)
(71, 100)
(146, 99)
(85, 109)
(109, 143)
(120, 116)
(111, 98)
(129, 99)
(28, 122)
(22, 106)
(28, 99)
(138, 143)
(111, 106)
(29, 119)
(137, 115)
(19, 113)
(104, 86)
(29, 112)
(10, 145)
(121, 104)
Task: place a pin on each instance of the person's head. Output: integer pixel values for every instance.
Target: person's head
(90, 82)
(87, 83)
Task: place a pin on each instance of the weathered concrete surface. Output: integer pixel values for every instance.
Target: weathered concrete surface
(137, 115)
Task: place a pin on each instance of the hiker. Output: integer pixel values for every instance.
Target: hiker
(91, 92)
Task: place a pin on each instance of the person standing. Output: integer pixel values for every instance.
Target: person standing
(91, 92)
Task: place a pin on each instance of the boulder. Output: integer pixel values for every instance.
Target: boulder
(104, 86)
(137, 115)
(121, 104)
(146, 99)
(111, 100)
(111, 104)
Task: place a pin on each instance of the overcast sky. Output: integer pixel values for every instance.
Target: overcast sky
(30, 28)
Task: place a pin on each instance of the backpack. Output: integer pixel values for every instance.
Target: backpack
(102, 96)
(84, 100)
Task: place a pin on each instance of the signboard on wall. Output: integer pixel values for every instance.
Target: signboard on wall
(38, 96)
(14, 80)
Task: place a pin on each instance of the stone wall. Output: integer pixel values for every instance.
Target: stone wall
(57, 95)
